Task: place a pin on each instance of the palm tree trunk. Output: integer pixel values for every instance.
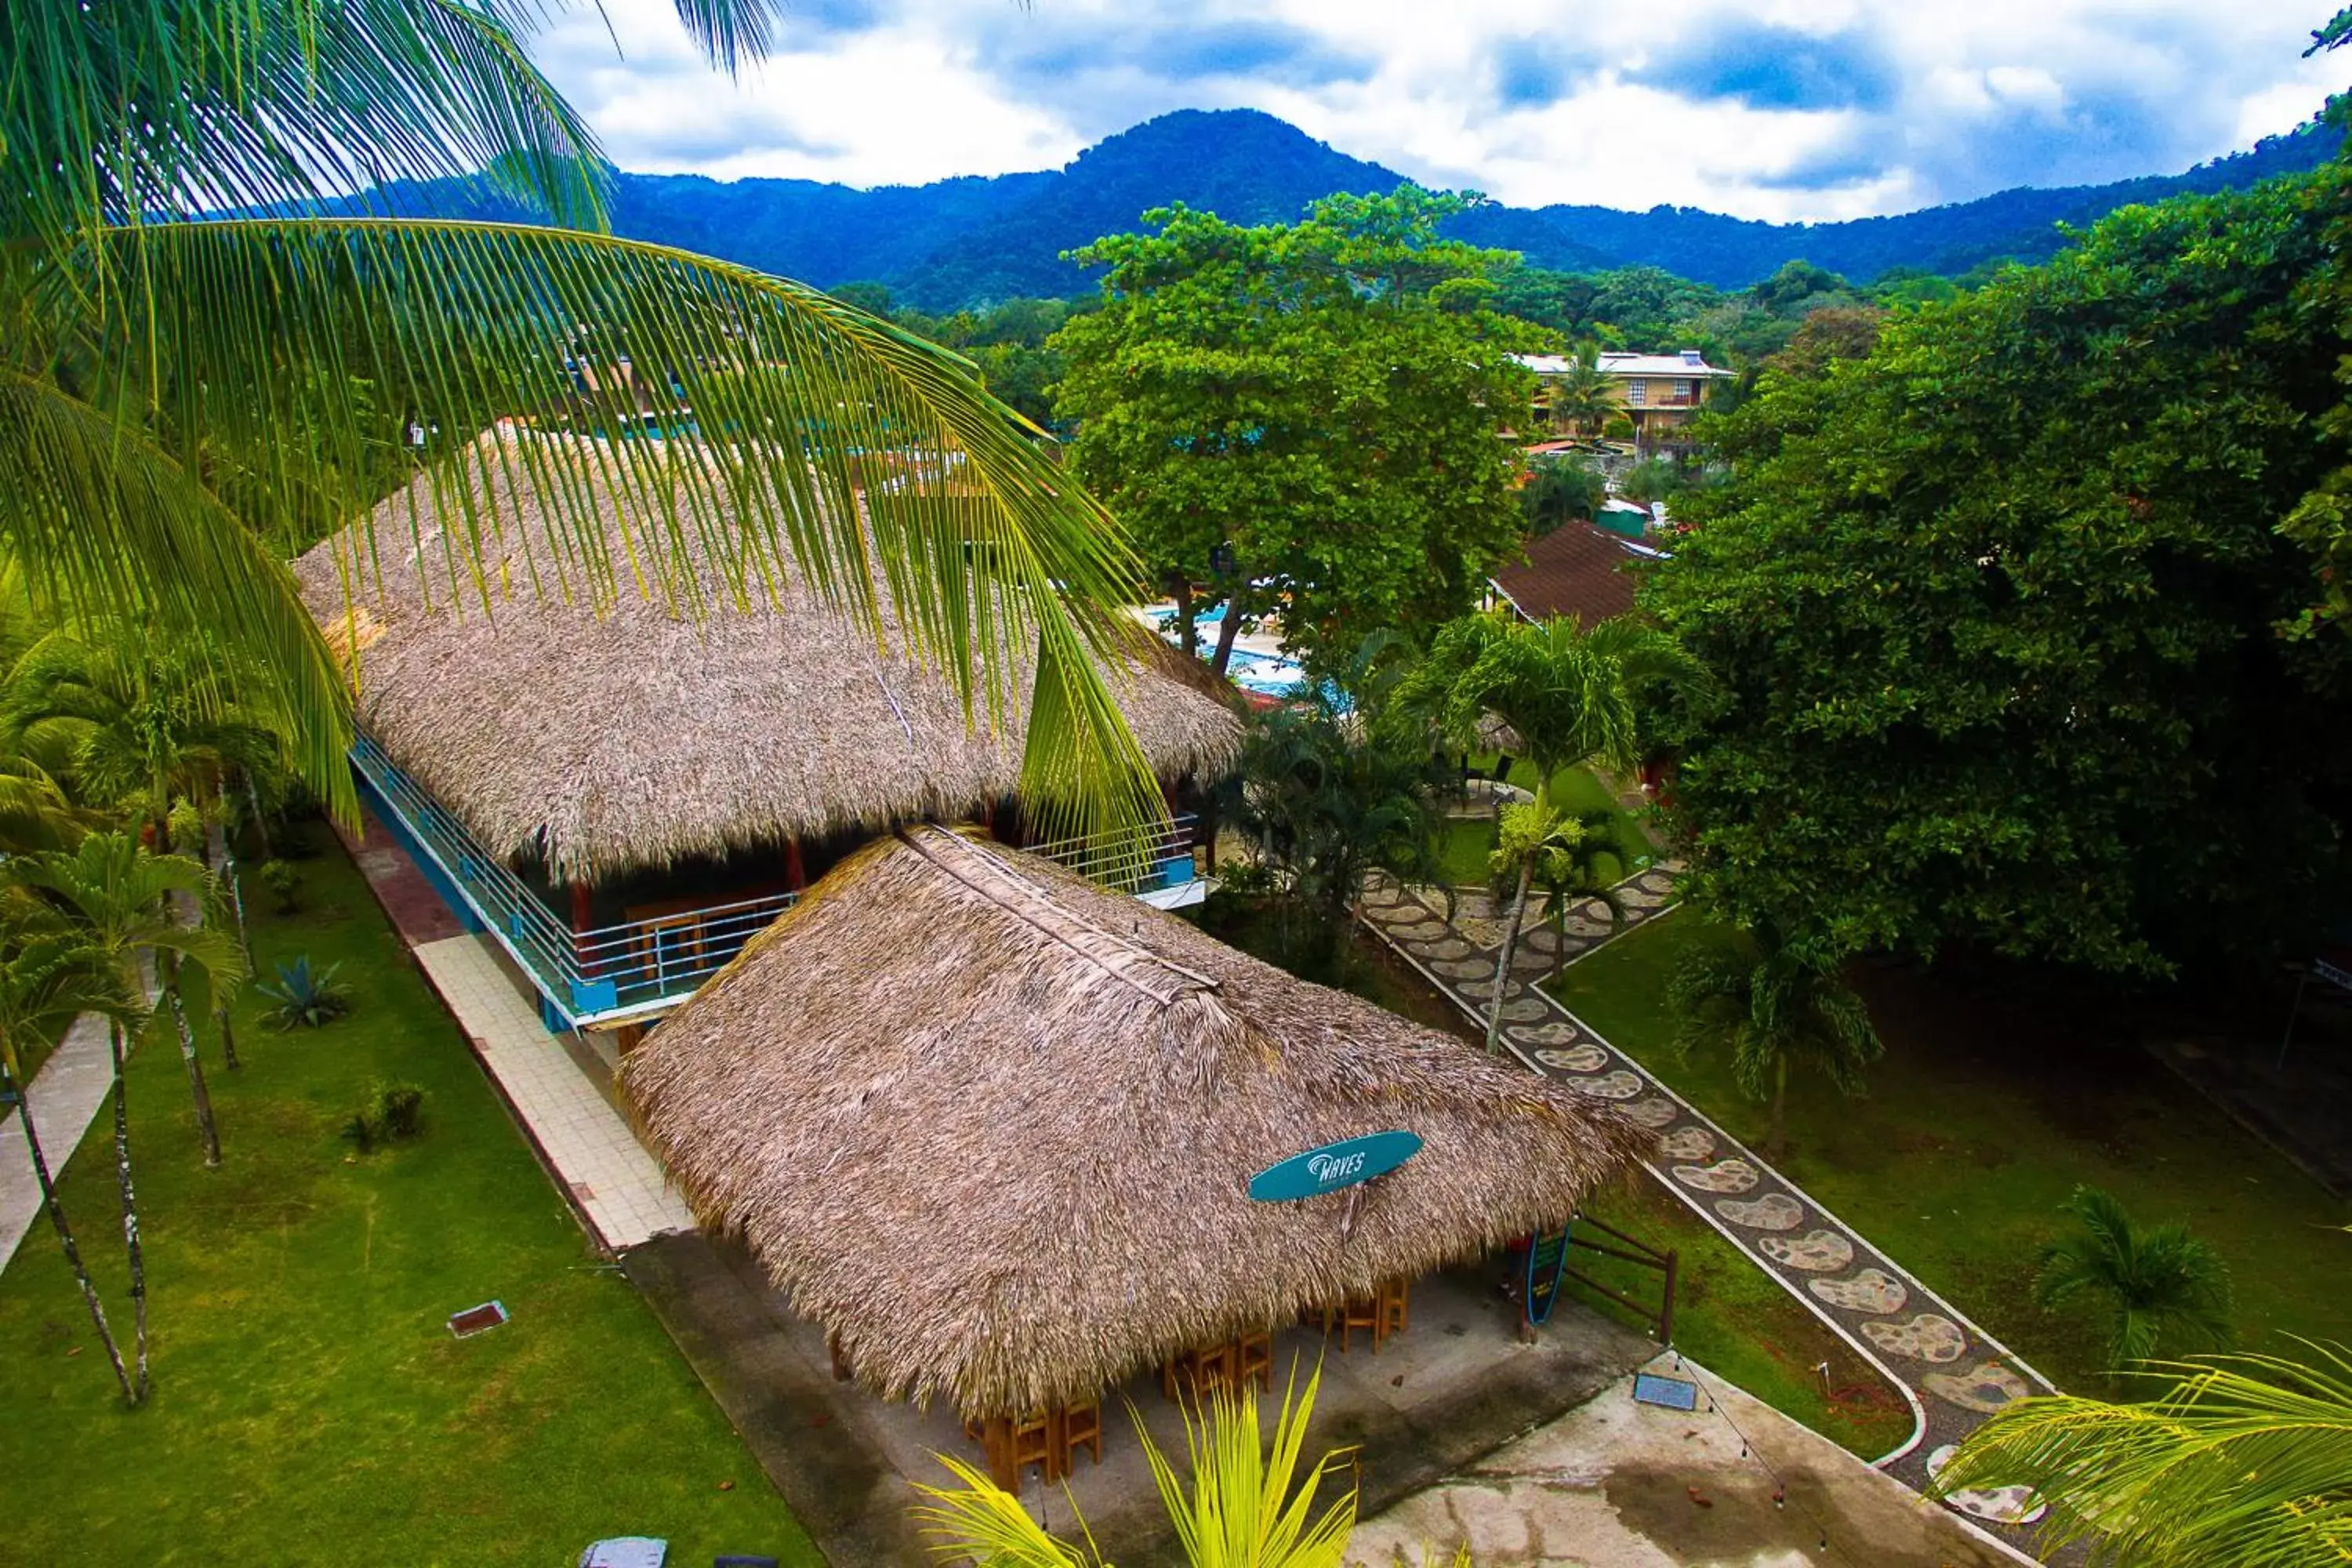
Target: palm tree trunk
(56, 1211)
(205, 1126)
(134, 1254)
(1503, 959)
(1776, 1141)
(260, 821)
(1183, 584)
(228, 1039)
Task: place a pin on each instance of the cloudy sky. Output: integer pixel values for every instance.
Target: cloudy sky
(1775, 109)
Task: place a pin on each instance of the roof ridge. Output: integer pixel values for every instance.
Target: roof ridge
(1114, 955)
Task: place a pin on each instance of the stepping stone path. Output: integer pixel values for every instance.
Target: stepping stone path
(1955, 1374)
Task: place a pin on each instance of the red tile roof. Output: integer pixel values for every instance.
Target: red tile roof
(1576, 569)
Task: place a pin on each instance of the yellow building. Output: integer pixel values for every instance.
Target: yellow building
(1656, 392)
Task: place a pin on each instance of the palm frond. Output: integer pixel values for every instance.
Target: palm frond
(2244, 1462)
(794, 427)
(110, 528)
(2151, 1283)
(980, 1521)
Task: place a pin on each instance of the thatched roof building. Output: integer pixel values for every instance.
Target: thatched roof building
(643, 734)
(993, 1127)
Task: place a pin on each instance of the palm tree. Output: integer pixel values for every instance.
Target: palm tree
(2244, 1462)
(1584, 397)
(1567, 870)
(184, 401)
(1568, 692)
(46, 980)
(117, 899)
(2151, 1283)
(1249, 1503)
(1773, 1007)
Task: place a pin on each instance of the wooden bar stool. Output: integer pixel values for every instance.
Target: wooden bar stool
(1081, 1428)
(1364, 1314)
(1254, 1362)
(1395, 1304)
(1034, 1441)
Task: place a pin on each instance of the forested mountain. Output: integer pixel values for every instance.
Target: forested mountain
(965, 241)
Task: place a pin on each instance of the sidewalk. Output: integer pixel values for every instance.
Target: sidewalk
(67, 1095)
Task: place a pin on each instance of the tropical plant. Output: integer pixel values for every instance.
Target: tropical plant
(2243, 1461)
(1248, 1502)
(1772, 1006)
(116, 899)
(304, 999)
(1566, 865)
(1558, 490)
(283, 878)
(184, 403)
(391, 1113)
(2151, 1283)
(1584, 397)
(46, 980)
(1570, 695)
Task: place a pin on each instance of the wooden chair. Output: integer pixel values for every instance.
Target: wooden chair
(1034, 1442)
(1395, 1304)
(1254, 1362)
(1364, 1314)
(1081, 1428)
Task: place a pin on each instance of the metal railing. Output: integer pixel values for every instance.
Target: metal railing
(1163, 859)
(592, 976)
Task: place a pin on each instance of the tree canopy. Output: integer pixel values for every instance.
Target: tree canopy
(1994, 612)
(1305, 417)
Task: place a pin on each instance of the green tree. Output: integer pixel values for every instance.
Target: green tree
(1991, 613)
(2242, 1461)
(46, 980)
(1558, 491)
(154, 373)
(2150, 1284)
(1584, 397)
(1247, 1502)
(1568, 868)
(1771, 1008)
(116, 900)
(1303, 418)
(1568, 694)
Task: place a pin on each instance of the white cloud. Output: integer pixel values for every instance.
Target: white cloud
(1786, 109)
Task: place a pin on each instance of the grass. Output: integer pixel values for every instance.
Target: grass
(1466, 841)
(1983, 1116)
(309, 1405)
(1730, 1317)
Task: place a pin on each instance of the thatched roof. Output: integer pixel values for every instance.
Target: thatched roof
(645, 733)
(993, 1127)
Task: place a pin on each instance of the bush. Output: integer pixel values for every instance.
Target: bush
(303, 998)
(392, 1113)
(284, 880)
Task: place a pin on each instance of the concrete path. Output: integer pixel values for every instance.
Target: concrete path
(1952, 1371)
(1615, 1484)
(613, 1181)
(66, 1096)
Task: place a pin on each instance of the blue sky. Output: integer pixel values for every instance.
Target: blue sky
(1785, 110)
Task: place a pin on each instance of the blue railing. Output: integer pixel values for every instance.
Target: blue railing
(605, 975)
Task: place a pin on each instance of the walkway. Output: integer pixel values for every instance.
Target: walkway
(1953, 1373)
(614, 1184)
(67, 1095)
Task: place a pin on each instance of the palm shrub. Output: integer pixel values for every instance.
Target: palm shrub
(305, 998)
(2149, 1283)
(391, 1112)
(2246, 1460)
(185, 402)
(1245, 1500)
(1773, 1007)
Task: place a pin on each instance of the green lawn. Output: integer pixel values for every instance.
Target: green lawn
(1982, 1117)
(1467, 841)
(309, 1405)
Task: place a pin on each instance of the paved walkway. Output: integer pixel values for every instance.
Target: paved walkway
(1953, 1373)
(67, 1095)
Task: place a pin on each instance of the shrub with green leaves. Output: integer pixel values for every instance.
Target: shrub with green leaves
(393, 1112)
(284, 880)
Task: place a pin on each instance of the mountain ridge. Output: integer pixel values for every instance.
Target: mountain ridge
(973, 239)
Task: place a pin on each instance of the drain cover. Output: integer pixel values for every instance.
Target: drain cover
(474, 1319)
(1672, 1392)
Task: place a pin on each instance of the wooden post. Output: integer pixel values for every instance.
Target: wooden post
(795, 874)
(1666, 1309)
(584, 919)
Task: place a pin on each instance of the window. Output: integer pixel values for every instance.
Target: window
(1682, 392)
(1637, 392)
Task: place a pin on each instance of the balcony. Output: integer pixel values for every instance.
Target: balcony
(639, 969)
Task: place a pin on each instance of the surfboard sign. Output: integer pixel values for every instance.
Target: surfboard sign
(1547, 1262)
(1334, 1166)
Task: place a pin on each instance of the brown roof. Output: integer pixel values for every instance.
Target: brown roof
(993, 1127)
(1576, 570)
